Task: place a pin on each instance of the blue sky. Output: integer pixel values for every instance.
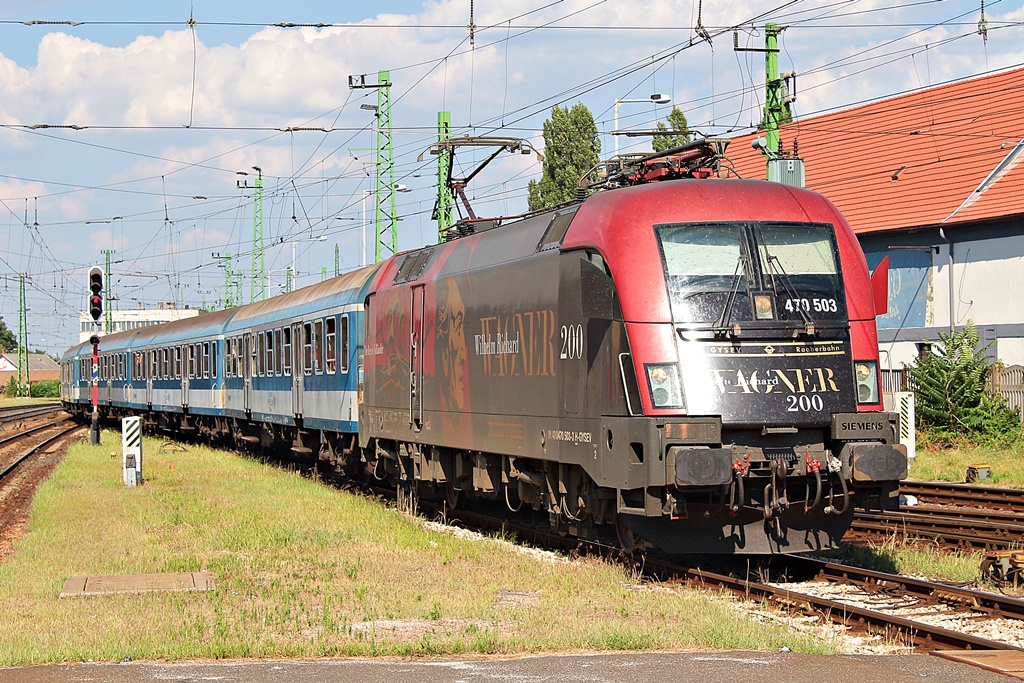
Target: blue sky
(166, 116)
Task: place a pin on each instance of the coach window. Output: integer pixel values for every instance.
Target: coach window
(307, 348)
(344, 343)
(230, 361)
(177, 362)
(286, 351)
(213, 359)
(318, 346)
(277, 352)
(331, 346)
(206, 359)
(261, 353)
(270, 353)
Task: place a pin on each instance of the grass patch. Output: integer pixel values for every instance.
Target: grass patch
(950, 464)
(304, 570)
(6, 402)
(900, 555)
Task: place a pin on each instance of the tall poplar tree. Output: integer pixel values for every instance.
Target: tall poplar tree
(571, 147)
(678, 135)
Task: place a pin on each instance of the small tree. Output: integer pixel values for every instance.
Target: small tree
(680, 131)
(571, 147)
(7, 340)
(949, 384)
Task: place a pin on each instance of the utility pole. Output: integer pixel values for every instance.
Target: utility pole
(108, 316)
(772, 90)
(386, 219)
(259, 269)
(229, 281)
(23, 374)
(776, 96)
(288, 279)
(337, 262)
(445, 197)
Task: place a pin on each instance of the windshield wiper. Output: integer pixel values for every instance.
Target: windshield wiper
(726, 316)
(773, 263)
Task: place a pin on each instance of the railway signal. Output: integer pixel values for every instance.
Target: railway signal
(95, 310)
(96, 297)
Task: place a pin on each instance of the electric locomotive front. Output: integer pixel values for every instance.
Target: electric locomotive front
(753, 354)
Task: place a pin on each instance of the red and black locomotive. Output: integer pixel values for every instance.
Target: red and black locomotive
(691, 364)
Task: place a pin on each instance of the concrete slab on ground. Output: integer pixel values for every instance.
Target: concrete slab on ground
(1009, 662)
(589, 668)
(77, 586)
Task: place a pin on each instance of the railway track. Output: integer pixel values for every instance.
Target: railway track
(965, 495)
(926, 615)
(10, 461)
(22, 413)
(962, 516)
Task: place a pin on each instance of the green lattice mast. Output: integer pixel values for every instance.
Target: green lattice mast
(445, 199)
(108, 316)
(259, 269)
(386, 214)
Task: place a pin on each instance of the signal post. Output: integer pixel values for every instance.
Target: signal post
(96, 311)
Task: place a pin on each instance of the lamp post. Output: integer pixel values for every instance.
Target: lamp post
(294, 272)
(656, 98)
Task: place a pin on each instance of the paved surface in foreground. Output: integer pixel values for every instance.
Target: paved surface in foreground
(650, 668)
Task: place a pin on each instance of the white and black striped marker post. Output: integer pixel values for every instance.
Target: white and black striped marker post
(131, 450)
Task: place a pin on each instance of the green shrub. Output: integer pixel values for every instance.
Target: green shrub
(11, 390)
(951, 401)
(47, 388)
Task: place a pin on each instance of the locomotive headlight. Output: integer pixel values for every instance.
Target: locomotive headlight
(866, 374)
(666, 391)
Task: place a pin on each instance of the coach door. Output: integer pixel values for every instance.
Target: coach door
(248, 367)
(300, 342)
(186, 367)
(416, 329)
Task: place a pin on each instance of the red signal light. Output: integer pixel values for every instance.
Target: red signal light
(96, 287)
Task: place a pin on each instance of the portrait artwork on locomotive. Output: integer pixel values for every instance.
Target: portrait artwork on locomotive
(675, 361)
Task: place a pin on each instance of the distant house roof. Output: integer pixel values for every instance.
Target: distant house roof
(36, 362)
(950, 154)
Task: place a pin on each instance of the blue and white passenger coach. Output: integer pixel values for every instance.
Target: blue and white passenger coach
(283, 372)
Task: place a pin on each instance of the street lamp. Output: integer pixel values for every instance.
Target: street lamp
(656, 98)
(321, 238)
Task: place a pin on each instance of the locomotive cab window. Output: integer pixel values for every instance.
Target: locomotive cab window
(331, 346)
(767, 273)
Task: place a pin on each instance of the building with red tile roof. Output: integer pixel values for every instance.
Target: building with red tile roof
(934, 179)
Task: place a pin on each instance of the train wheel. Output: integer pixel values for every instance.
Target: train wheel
(452, 495)
(628, 540)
